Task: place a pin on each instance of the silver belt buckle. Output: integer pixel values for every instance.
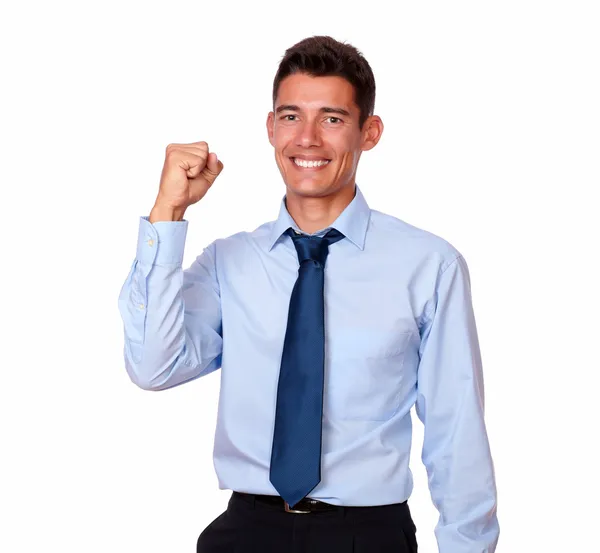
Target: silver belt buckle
(288, 509)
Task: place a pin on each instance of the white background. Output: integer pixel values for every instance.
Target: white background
(492, 141)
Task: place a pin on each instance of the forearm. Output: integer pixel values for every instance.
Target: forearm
(457, 458)
(166, 341)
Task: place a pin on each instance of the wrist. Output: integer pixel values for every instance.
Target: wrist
(162, 212)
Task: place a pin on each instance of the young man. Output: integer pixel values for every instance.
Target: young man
(329, 324)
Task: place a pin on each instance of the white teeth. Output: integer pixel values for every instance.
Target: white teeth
(304, 163)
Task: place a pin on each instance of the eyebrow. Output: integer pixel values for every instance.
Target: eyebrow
(292, 107)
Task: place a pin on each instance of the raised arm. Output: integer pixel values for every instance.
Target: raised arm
(172, 317)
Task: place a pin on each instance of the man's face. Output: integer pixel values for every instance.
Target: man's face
(315, 123)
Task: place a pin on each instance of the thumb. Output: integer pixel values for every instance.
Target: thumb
(213, 164)
(212, 169)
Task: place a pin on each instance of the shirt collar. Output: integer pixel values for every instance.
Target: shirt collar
(352, 222)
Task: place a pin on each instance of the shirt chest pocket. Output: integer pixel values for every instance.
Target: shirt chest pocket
(364, 375)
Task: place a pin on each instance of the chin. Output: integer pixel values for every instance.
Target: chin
(308, 187)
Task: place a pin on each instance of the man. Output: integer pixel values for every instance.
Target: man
(329, 324)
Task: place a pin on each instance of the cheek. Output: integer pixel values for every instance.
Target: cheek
(348, 161)
(281, 137)
(347, 148)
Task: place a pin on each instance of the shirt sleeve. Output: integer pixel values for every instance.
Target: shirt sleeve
(171, 316)
(450, 403)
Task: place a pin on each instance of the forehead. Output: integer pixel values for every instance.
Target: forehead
(310, 92)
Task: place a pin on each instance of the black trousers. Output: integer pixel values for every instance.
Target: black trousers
(249, 526)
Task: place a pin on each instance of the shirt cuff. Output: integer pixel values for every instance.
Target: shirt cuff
(161, 243)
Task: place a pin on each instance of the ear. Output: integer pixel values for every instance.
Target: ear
(270, 124)
(371, 133)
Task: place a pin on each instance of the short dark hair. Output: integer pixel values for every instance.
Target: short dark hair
(323, 56)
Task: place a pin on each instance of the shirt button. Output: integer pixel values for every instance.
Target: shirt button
(151, 242)
(141, 306)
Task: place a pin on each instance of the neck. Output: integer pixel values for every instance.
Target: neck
(313, 213)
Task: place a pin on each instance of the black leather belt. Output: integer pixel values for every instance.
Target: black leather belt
(306, 505)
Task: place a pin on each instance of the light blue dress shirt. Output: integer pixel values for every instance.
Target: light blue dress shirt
(399, 331)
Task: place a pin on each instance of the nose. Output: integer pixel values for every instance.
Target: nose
(308, 134)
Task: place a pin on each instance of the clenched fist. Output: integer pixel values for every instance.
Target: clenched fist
(188, 172)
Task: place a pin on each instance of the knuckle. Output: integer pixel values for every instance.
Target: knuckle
(173, 153)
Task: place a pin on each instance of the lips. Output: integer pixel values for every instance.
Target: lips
(309, 158)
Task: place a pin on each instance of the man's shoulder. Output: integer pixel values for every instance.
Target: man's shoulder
(409, 237)
(244, 238)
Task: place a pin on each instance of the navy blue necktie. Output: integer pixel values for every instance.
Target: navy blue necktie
(296, 454)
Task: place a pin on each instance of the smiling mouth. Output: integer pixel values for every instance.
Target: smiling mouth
(305, 165)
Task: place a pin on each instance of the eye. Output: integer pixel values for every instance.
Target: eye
(336, 119)
(289, 115)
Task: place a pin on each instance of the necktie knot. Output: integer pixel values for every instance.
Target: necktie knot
(314, 248)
